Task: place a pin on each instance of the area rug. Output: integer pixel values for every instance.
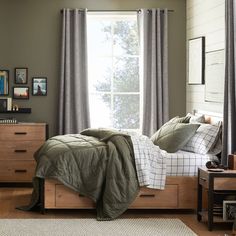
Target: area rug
(91, 227)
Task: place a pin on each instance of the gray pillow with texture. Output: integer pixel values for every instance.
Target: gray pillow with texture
(173, 136)
(178, 119)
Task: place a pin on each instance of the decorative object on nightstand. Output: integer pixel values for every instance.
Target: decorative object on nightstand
(18, 142)
(217, 184)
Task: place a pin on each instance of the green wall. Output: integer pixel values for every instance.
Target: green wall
(30, 37)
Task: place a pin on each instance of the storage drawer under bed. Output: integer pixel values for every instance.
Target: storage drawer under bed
(59, 196)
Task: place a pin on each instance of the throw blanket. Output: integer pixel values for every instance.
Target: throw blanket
(97, 163)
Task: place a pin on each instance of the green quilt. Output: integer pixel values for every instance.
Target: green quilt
(97, 163)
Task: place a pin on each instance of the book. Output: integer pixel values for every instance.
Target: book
(10, 120)
(9, 104)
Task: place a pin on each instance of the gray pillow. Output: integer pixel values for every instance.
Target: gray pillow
(173, 136)
(178, 119)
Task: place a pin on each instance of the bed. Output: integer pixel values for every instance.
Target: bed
(180, 189)
(180, 186)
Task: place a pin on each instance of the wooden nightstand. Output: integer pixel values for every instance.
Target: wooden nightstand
(216, 183)
(18, 143)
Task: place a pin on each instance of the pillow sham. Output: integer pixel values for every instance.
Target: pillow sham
(196, 119)
(173, 136)
(177, 119)
(204, 139)
(217, 148)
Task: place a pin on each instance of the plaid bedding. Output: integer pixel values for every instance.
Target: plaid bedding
(184, 163)
(150, 162)
(154, 164)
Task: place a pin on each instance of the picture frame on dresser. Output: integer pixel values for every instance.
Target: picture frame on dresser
(4, 82)
(21, 75)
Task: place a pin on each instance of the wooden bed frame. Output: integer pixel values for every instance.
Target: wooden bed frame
(180, 191)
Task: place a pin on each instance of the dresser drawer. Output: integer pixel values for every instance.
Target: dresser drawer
(220, 183)
(22, 132)
(73, 199)
(19, 150)
(17, 171)
(152, 198)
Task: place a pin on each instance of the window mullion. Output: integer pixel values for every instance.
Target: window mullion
(112, 72)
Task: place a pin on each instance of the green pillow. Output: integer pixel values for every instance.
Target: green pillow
(178, 119)
(173, 136)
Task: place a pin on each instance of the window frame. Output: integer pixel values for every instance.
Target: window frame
(114, 16)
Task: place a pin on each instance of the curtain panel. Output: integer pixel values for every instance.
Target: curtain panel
(73, 96)
(153, 29)
(229, 125)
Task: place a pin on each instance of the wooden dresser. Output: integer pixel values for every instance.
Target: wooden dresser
(18, 143)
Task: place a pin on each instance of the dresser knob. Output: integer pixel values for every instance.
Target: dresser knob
(20, 171)
(20, 133)
(21, 150)
(147, 195)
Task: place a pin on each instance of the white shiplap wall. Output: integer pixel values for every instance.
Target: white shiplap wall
(204, 18)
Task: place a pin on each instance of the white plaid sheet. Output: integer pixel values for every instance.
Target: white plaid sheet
(150, 162)
(184, 163)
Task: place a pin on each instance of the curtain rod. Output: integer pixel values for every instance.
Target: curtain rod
(116, 10)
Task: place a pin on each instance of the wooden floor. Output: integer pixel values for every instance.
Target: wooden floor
(13, 197)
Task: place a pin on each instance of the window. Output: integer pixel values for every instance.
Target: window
(113, 71)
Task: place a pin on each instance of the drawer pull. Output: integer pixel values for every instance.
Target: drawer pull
(81, 195)
(20, 150)
(20, 133)
(147, 195)
(20, 171)
(203, 179)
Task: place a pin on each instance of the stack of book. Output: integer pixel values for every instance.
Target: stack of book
(10, 120)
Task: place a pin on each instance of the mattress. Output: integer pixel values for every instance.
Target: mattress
(184, 163)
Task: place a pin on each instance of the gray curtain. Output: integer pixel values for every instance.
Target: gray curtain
(73, 96)
(229, 123)
(153, 27)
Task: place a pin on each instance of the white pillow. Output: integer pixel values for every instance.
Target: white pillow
(196, 119)
(204, 139)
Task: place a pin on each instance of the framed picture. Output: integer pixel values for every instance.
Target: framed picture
(3, 104)
(196, 60)
(4, 82)
(21, 92)
(214, 76)
(39, 86)
(21, 75)
(229, 210)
